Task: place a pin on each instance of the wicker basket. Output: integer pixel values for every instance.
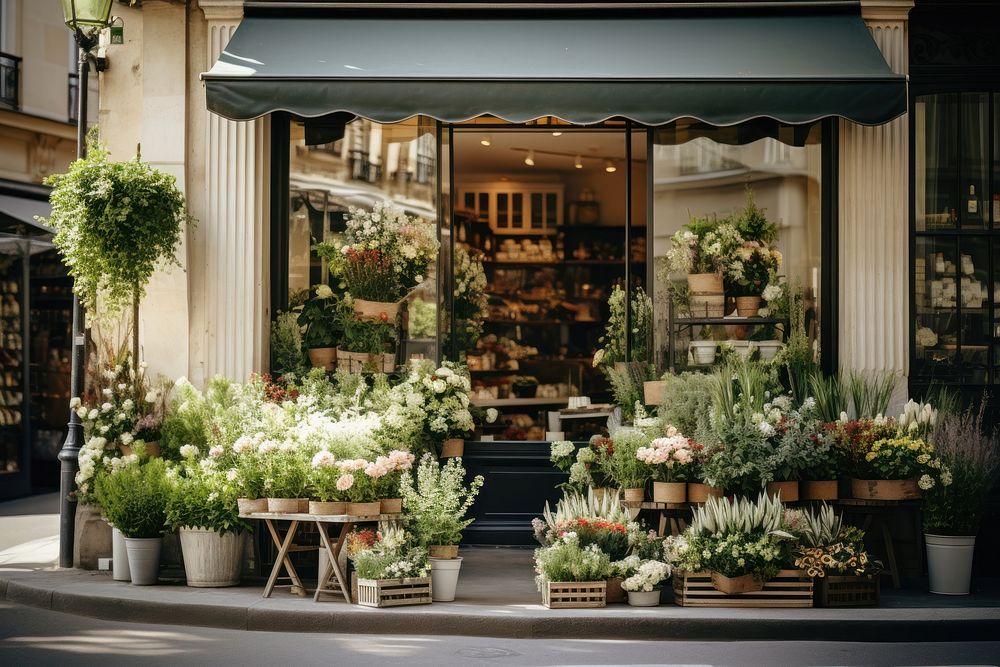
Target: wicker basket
(790, 588)
(394, 592)
(574, 594)
(847, 591)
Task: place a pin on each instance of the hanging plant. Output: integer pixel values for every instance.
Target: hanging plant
(115, 222)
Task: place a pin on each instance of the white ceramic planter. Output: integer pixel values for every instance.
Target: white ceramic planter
(211, 560)
(119, 557)
(949, 563)
(144, 559)
(703, 352)
(444, 578)
(768, 348)
(644, 598)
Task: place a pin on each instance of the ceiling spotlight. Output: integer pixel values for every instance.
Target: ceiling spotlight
(557, 134)
(578, 162)
(530, 160)
(486, 141)
(610, 166)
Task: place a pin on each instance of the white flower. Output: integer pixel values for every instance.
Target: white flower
(216, 451)
(491, 415)
(232, 474)
(766, 429)
(126, 438)
(345, 482)
(189, 451)
(925, 482)
(152, 395)
(93, 414)
(75, 402)
(106, 391)
(561, 448)
(323, 292)
(128, 404)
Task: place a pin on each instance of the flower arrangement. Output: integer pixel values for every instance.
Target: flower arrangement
(572, 507)
(611, 537)
(641, 323)
(388, 553)
(751, 268)
(567, 559)
(285, 469)
(437, 500)
(670, 458)
(904, 458)
(704, 245)
(319, 318)
(647, 577)
(827, 547)
(440, 396)
(358, 481)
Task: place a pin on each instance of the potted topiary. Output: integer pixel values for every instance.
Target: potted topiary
(318, 316)
(134, 498)
(202, 508)
(436, 503)
(953, 506)
(524, 386)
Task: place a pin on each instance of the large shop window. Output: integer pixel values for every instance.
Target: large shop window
(956, 251)
(704, 176)
(334, 167)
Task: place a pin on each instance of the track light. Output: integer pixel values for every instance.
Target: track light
(610, 166)
(486, 141)
(530, 160)
(578, 162)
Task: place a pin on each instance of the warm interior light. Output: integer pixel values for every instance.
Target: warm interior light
(578, 162)
(530, 160)
(557, 134)
(486, 141)
(610, 166)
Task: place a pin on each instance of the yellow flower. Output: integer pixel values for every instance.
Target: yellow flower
(870, 456)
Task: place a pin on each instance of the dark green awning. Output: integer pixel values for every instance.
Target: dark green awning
(718, 68)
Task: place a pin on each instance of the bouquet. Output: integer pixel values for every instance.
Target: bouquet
(751, 268)
(670, 457)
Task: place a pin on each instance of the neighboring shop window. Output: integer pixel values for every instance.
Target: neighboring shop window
(735, 295)
(956, 326)
(361, 164)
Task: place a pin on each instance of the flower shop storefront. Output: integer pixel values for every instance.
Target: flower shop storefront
(582, 169)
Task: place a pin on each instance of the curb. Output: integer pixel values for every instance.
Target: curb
(328, 619)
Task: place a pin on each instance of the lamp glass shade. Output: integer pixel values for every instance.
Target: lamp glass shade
(87, 14)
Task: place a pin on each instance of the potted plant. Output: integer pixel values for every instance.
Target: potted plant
(367, 344)
(318, 318)
(699, 251)
(249, 464)
(435, 503)
(442, 392)
(134, 498)
(570, 575)
(741, 543)
(669, 459)
(323, 478)
(357, 483)
(394, 464)
(524, 386)
(643, 587)
(390, 568)
(896, 468)
(766, 338)
(703, 349)
(749, 270)
(624, 465)
(953, 507)
(202, 508)
(285, 477)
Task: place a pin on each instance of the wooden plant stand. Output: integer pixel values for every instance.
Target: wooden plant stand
(674, 514)
(790, 588)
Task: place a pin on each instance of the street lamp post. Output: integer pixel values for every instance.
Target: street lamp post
(86, 18)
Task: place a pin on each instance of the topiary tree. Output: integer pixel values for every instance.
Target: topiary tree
(115, 222)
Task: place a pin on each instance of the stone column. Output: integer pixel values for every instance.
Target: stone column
(874, 222)
(229, 263)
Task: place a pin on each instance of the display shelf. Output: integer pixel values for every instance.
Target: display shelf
(540, 322)
(727, 320)
(517, 402)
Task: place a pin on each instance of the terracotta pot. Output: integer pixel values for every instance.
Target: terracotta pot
(442, 551)
(323, 357)
(391, 505)
(699, 493)
(747, 306)
(733, 585)
(653, 391)
(635, 495)
(327, 507)
(152, 450)
(885, 489)
(818, 490)
(284, 505)
(705, 283)
(615, 594)
(364, 509)
(251, 505)
(669, 492)
(788, 492)
(452, 448)
(376, 310)
(707, 298)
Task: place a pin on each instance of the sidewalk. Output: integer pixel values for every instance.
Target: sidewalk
(497, 598)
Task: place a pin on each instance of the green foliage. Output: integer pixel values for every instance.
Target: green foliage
(320, 317)
(361, 335)
(871, 394)
(134, 497)
(187, 421)
(568, 560)
(687, 399)
(437, 501)
(797, 356)
(204, 499)
(624, 466)
(830, 393)
(387, 554)
(286, 345)
(752, 224)
(115, 222)
(626, 380)
(640, 323)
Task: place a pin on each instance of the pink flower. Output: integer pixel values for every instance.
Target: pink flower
(345, 481)
(323, 459)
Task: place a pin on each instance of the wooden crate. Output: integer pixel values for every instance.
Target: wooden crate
(847, 591)
(791, 588)
(394, 592)
(574, 594)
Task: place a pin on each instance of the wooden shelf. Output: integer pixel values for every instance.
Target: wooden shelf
(517, 402)
(727, 320)
(541, 322)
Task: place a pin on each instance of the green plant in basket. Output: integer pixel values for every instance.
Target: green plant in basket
(388, 553)
(569, 560)
(319, 317)
(134, 497)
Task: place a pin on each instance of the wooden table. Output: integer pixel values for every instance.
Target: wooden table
(676, 513)
(286, 546)
(875, 514)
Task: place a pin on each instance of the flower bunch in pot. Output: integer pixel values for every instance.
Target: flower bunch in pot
(286, 471)
(644, 582)
(134, 499)
(897, 467)
(699, 251)
(436, 501)
(670, 459)
(624, 465)
(952, 513)
(741, 543)
(357, 482)
(568, 561)
(202, 508)
(249, 473)
(798, 448)
(778, 297)
(440, 394)
(751, 268)
(366, 344)
(470, 305)
(321, 327)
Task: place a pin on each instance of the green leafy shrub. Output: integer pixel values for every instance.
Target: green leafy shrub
(286, 345)
(437, 501)
(203, 498)
(134, 497)
(568, 560)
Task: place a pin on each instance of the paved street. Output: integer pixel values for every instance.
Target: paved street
(35, 637)
(29, 532)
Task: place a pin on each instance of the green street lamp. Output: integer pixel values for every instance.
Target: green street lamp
(86, 18)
